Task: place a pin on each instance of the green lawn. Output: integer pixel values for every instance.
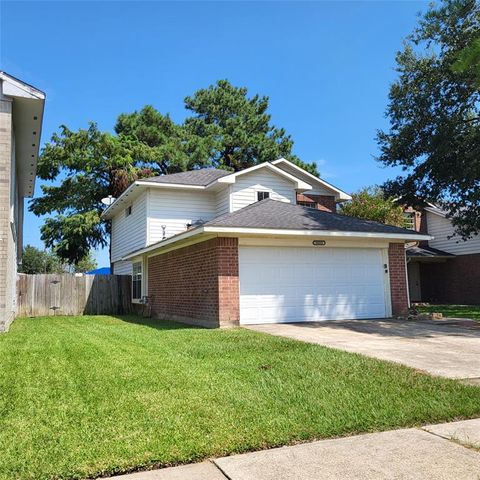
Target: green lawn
(84, 396)
(462, 311)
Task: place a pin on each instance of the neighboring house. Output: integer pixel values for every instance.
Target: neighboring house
(262, 245)
(21, 113)
(446, 269)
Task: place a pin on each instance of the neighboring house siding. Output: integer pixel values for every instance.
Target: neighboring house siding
(322, 202)
(130, 233)
(455, 281)
(441, 228)
(8, 251)
(222, 201)
(175, 209)
(197, 284)
(244, 190)
(122, 268)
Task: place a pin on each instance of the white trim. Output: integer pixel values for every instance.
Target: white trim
(14, 87)
(341, 194)
(318, 233)
(301, 185)
(273, 232)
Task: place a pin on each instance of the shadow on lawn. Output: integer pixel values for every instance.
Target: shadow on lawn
(156, 323)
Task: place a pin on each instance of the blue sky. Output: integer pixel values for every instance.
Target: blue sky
(326, 67)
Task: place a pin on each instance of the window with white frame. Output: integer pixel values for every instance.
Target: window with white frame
(307, 204)
(409, 220)
(137, 281)
(262, 196)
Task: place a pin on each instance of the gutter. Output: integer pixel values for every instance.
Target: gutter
(272, 232)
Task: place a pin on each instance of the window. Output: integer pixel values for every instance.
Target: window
(307, 204)
(409, 220)
(128, 211)
(137, 281)
(262, 196)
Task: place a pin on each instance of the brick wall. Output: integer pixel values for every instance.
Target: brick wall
(197, 284)
(398, 278)
(322, 202)
(455, 281)
(7, 245)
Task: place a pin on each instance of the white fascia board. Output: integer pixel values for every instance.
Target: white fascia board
(341, 194)
(317, 233)
(300, 184)
(13, 87)
(273, 232)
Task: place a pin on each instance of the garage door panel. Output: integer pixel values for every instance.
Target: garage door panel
(282, 284)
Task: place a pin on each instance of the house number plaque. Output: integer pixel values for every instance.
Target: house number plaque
(319, 243)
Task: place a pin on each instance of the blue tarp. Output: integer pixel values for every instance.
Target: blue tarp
(100, 271)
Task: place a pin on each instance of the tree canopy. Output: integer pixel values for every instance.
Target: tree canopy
(371, 203)
(226, 129)
(35, 260)
(434, 114)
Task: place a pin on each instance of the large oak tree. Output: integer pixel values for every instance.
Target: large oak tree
(434, 114)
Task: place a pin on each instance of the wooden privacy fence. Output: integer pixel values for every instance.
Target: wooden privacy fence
(69, 294)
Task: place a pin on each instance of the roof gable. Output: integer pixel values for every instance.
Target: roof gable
(288, 166)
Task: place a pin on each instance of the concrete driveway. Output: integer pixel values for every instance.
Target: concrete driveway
(446, 348)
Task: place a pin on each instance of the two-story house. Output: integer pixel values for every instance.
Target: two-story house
(21, 112)
(262, 245)
(446, 269)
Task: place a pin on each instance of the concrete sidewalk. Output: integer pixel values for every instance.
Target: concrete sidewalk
(434, 451)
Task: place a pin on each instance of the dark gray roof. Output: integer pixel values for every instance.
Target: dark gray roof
(281, 215)
(427, 252)
(201, 177)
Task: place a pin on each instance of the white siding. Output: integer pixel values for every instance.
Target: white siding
(317, 189)
(130, 233)
(245, 188)
(122, 268)
(441, 228)
(222, 201)
(175, 209)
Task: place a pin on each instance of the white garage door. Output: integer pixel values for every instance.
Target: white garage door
(289, 284)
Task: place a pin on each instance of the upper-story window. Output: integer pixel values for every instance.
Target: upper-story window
(307, 204)
(409, 220)
(128, 211)
(262, 196)
(137, 281)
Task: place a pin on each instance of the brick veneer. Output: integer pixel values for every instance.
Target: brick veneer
(322, 202)
(197, 284)
(398, 278)
(456, 280)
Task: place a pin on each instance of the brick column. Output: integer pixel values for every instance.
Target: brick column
(228, 285)
(7, 273)
(398, 278)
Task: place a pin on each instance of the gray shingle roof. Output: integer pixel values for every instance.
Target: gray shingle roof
(280, 215)
(193, 177)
